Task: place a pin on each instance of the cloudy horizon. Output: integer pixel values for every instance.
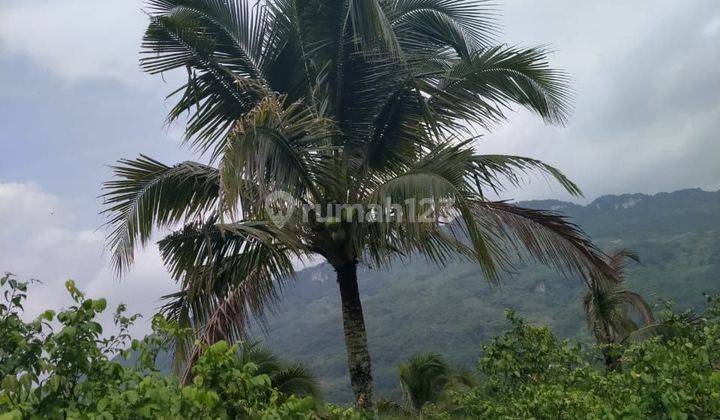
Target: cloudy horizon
(645, 120)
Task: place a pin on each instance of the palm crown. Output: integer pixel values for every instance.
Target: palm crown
(427, 378)
(609, 306)
(335, 102)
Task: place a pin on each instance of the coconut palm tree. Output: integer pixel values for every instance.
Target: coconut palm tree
(426, 377)
(355, 102)
(609, 307)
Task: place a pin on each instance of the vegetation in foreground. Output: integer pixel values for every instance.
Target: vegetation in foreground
(59, 365)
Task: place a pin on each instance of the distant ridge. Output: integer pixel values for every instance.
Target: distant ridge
(679, 211)
(618, 201)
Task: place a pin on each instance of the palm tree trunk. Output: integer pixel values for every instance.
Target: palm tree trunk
(355, 336)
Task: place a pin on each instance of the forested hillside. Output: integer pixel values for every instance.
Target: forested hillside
(416, 306)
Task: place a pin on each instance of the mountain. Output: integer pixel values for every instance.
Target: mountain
(416, 306)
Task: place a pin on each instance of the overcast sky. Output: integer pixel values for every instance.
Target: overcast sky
(72, 101)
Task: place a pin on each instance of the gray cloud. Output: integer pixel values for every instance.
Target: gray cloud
(647, 111)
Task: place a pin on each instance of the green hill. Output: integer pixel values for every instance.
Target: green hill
(416, 306)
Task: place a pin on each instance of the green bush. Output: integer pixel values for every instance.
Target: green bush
(528, 373)
(60, 366)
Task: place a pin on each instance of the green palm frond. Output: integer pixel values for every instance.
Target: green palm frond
(148, 193)
(278, 146)
(480, 88)
(298, 380)
(209, 34)
(425, 377)
(370, 27)
(212, 107)
(288, 378)
(546, 236)
(227, 272)
(465, 26)
(288, 49)
(223, 81)
(495, 230)
(490, 170)
(436, 189)
(219, 255)
(232, 51)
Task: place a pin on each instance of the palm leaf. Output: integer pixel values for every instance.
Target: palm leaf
(279, 147)
(149, 193)
(489, 171)
(465, 26)
(479, 88)
(426, 377)
(407, 191)
(546, 236)
(226, 271)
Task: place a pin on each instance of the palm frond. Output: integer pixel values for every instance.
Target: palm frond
(231, 33)
(426, 376)
(148, 193)
(465, 25)
(546, 236)
(649, 331)
(232, 51)
(489, 170)
(287, 46)
(619, 260)
(226, 271)
(665, 329)
(480, 88)
(452, 172)
(295, 379)
(426, 190)
(288, 378)
(278, 146)
(371, 28)
(638, 304)
(609, 307)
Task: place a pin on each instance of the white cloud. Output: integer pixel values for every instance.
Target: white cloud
(38, 241)
(77, 39)
(712, 28)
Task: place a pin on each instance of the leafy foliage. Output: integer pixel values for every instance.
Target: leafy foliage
(527, 372)
(60, 366)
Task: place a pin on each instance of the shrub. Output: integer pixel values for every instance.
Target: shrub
(67, 370)
(527, 372)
